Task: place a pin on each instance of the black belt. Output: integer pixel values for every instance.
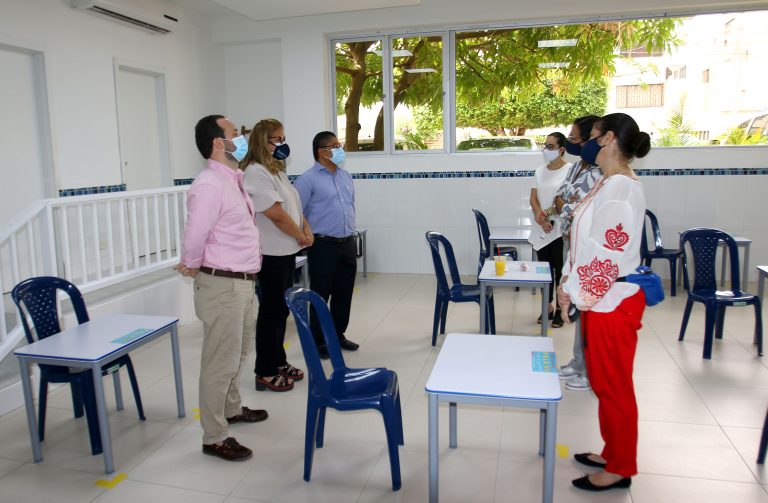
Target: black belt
(251, 276)
(323, 237)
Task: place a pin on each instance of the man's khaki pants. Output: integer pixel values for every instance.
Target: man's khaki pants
(226, 307)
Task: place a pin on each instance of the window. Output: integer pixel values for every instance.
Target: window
(504, 89)
(638, 96)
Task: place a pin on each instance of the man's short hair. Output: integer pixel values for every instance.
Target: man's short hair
(207, 130)
(321, 140)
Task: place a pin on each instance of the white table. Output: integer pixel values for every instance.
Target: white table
(91, 346)
(762, 272)
(511, 237)
(537, 275)
(363, 233)
(301, 263)
(506, 371)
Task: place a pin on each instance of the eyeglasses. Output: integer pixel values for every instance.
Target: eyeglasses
(331, 147)
(574, 139)
(550, 146)
(278, 139)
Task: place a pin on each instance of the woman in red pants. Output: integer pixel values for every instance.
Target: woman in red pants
(605, 247)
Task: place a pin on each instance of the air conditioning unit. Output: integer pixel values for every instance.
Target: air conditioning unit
(156, 16)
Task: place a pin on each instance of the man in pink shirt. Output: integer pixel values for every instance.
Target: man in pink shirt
(222, 252)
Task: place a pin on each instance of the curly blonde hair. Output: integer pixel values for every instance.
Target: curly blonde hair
(257, 147)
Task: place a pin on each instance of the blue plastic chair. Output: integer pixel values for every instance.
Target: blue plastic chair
(37, 296)
(484, 235)
(704, 243)
(347, 388)
(659, 252)
(457, 291)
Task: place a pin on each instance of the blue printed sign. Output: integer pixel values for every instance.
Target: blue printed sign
(132, 336)
(544, 361)
(542, 270)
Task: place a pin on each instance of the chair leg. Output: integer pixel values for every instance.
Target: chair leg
(763, 442)
(389, 413)
(399, 417)
(759, 327)
(77, 399)
(42, 401)
(686, 316)
(648, 262)
(309, 438)
(720, 322)
(135, 387)
(320, 437)
(443, 316)
(436, 322)
(709, 330)
(673, 276)
(491, 316)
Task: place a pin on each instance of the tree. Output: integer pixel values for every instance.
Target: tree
(678, 132)
(491, 65)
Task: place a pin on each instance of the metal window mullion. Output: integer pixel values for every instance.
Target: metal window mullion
(387, 97)
(449, 112)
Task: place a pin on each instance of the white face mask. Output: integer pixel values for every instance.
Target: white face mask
(550, 155)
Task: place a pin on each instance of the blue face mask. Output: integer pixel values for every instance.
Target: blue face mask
(282, 151)
(573, 148)
(241, 147)
(590, 150)
(338, 156)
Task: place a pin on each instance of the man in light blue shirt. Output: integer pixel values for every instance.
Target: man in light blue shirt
(328, 200)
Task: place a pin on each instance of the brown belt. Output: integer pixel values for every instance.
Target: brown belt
(251, 276)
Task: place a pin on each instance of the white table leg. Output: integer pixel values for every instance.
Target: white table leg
(452, 426)
(544, 309)
(177, 369)
(433, 451)
(760, 285)
(549, 453)
(542, 430)
(101, 407)
(305, 275)
(29, 405)
(118, 389)
(364, 237)
(482, 307)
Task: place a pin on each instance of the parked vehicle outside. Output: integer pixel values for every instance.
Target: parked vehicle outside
(498, 144)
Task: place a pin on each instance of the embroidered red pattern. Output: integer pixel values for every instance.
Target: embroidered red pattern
(616, 238)
(597, 277)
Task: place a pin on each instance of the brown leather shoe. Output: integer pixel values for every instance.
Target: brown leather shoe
(229, 449)
(248, 416)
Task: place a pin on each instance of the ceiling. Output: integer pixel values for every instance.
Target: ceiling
(260, 10)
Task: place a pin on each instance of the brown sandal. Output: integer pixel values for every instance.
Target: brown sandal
(274, 383)
(290, 372)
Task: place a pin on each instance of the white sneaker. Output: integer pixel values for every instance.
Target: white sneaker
(566, 371)
(577, 383)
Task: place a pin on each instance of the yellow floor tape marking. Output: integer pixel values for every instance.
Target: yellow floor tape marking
(562, 450)
(196, 414)
(286, 345)
(109, 484)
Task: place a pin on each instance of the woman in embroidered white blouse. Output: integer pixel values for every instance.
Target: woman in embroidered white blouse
(605, 247)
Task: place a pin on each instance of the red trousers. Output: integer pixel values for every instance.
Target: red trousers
(609, 349)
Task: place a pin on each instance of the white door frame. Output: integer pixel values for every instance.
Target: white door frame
(162, 114)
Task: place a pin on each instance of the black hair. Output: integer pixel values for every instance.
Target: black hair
(321, 140)
(631, 141)
(585, 125)
(560, 138)
(207, 130)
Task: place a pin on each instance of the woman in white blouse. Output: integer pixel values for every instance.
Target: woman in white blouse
(284, 231)
(605, 247)
(546, 237)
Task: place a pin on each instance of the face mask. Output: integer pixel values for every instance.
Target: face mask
(550, 155)
(573, 148)
(241, 147)
(282, 151)
(337, 156)
(590, 150)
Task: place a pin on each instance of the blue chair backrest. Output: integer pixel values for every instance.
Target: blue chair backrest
(483, 233)
(38, 296)
(435, 239)
(299, 301)
(654, 229)
(704, 243)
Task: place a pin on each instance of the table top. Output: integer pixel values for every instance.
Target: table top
(496, 366)
(538, 272)
(763, 269)
(510, 235)
(98, 338)
(301, 260)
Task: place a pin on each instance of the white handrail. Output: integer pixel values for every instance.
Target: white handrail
(93, 241)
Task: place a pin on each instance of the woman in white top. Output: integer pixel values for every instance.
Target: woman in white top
(546, 237)
(284, 231)
(605, 247)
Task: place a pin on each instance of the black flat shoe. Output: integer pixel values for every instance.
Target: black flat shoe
(584, 460)
(323, 352)
(348, 345)
(585, 484)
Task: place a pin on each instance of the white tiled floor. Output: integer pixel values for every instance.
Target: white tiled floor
(700, 422)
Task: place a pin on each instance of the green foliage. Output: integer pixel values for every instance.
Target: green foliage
(738, 136)
(411, 141)
(678, 132)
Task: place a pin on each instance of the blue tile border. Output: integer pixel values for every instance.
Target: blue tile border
(84, 191)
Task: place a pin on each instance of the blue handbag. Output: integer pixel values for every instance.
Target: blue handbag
(650, 282)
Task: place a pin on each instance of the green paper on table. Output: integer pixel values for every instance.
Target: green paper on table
(543, 361)
(542, 270)
(132, 336)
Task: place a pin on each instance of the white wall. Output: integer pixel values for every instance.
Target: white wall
(399, 212)
(79, 51)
